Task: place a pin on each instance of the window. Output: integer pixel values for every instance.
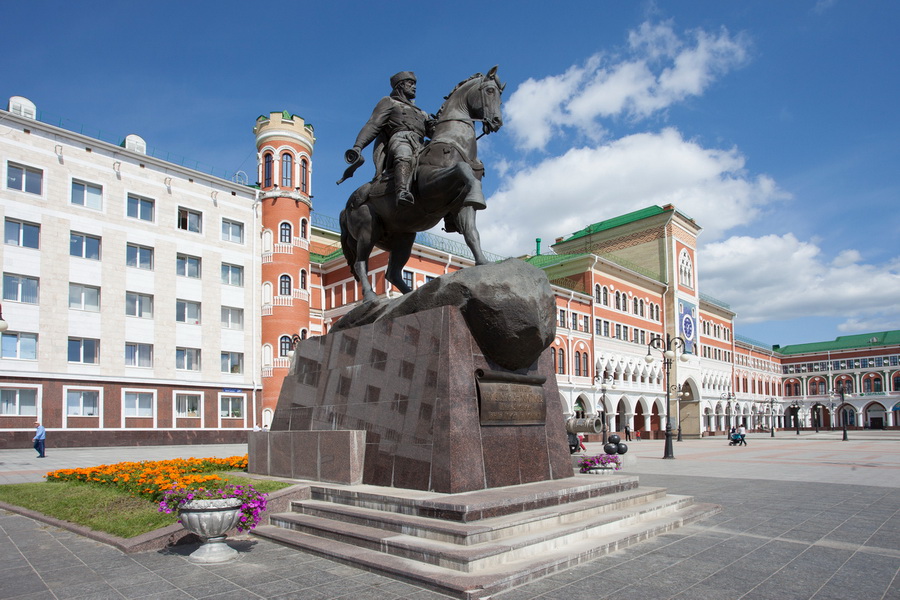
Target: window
(189, 220)
(20, 288)
(187, 359)
(598, 297)
(303, 228)
(303, 280)
(287, 170)
(139, 257)
(18, 345)
(138, 404)
(84, 350)
(578, 364)
(584, 365)
(685, 269)
(407, 279)
(574, 322)
(284, 285)
(187, 266)
(82, 403)
(267, 169)
(24, 179)
(562, 361)
(140, 208)
(285, 345)
(232, 318)
(562, 318)
(587, 325)
(232, 362)
(21, 233)
(231, 407)
(304, 176)
(84, 246)
(138, 305)
(187, 405)
(87, 195)
(84, 297)
(138, 355)
(618, 301)
(187, 312)
(19, 402)
(284, 233)
(232, 231)
(232, 275)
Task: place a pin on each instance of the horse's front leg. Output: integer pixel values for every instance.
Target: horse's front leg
(465, 221)
(400, 246)
(366, 230)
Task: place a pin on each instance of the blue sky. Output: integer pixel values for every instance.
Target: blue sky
(774, 124)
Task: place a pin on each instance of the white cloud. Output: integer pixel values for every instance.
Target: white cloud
(775, 277)
(657, 69)
(562, 194)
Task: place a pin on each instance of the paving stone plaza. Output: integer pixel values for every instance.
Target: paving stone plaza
(808, 516)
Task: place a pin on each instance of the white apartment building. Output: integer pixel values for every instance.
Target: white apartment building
(129, 292)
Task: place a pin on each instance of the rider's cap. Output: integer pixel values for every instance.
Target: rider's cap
(402, 76)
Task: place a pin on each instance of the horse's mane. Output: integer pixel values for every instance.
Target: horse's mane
(453, 91)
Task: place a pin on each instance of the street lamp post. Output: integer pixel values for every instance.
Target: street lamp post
(771, 402)
(604, 380)
(728, 397)
(669, 350)
(796, 404)
(841, 389)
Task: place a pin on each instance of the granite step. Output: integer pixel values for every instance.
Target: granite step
(480, 504)
(546, 532)
(492, 576)
(479, 531)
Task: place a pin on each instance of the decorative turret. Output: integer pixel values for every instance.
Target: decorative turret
(284, 144)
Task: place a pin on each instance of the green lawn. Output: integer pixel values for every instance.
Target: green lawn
(104, 508)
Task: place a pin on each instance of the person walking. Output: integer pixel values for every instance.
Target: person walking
(627, 433)
(742, 432)
(40, 439)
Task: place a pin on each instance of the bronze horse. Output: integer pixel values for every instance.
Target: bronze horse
(447, 185)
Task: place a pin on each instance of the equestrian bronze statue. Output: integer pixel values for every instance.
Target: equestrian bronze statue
(417, 183)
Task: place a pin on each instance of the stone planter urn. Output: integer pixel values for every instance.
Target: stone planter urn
(211, 520)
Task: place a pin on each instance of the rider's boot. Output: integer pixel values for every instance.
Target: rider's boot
(402, 177)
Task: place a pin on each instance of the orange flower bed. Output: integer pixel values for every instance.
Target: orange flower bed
(150, 479)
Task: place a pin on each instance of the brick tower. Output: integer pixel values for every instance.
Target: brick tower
(284, 145)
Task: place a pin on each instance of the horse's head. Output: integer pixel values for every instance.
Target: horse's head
(476, 99)
(491, 89)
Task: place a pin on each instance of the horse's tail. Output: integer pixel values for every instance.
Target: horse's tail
(348, 244)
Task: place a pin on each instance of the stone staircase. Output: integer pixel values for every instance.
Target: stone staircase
(475, 544)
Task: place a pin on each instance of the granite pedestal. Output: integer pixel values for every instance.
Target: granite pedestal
(410, 384)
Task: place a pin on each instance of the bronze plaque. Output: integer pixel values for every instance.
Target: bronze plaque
(507, 403)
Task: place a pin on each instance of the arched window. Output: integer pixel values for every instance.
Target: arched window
(685, 269)
(284, 345)
(597, 294)
(284, 285)
(303, 228)
(304, 176)
(267, 169)
(605, 296)
(303, 334)
(618, 301)
(578, 364)
(562, 362)
(897, 382)
(284, 233)
(287, 170)
(584, 365)
(642, 308)
(635, 307)
(553, 356)
(302, 280)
